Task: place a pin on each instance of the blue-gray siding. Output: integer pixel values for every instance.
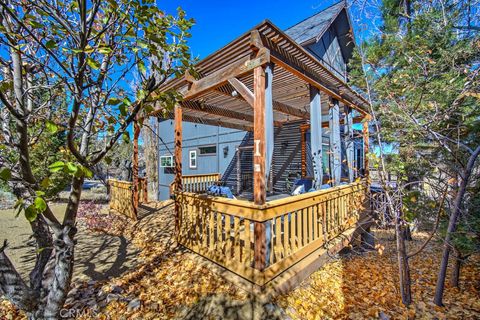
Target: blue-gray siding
(194, 136)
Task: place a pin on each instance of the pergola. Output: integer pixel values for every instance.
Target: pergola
(261, 80)
(262, 73)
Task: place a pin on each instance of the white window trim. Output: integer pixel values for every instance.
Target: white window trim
(190, 159)
(172, 162)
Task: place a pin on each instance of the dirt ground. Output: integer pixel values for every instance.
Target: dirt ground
(98, 255)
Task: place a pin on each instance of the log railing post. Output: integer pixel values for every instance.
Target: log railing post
(259, 188)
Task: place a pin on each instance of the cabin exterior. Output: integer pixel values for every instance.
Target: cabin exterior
(269, 103)
(214, 149)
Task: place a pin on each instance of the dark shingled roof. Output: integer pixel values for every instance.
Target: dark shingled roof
(316, 25)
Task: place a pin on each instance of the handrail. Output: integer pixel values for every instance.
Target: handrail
(294, 227)
(121, 196)
(261, 213)
(196, 182)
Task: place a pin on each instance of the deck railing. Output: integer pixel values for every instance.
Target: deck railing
(121, 196)
(223, 229)
(197, 183)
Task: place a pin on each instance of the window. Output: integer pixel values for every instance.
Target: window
(166, 161)
(207, 150)
(192, 156)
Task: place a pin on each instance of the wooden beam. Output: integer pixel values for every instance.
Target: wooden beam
(286, 109)
(178, 165)
(277, 106)
(300, 70)
(207, 108)
(242, 89)
(214, 122)
(325, 124)
(210, 121)
(222, 75)
(259, 191)
(256, 42)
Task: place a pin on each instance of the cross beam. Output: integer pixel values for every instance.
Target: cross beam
(247, 95)
(212, 122)
(222, 75)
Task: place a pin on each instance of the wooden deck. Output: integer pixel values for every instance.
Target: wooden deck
(222, 230)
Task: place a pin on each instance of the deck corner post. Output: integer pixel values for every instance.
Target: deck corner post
(316, 136)
(135, 179)
(178, 164)
(335, 146)
(259, 188)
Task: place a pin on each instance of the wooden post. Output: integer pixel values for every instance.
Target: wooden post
(178, 164)
(259, 191)
(366, 143)
(335, 148)
(135, 187)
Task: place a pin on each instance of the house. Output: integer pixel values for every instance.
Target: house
(269, 109)
(210, 147)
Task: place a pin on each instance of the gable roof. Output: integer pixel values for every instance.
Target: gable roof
(211, 99)
(315, 26)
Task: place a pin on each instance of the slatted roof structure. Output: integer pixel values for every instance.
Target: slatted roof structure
(223, 94)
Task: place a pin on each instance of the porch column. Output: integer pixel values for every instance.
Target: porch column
(135, 181)
(178, 163)
(349, 142)
(335, 149)
(366, 144)
(269, 129)
(316, 136)
(259, 157)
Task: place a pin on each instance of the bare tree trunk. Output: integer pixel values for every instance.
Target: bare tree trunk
(403, 267)
(452, 224)
(457, 264)
(407, 233)
(151, 157)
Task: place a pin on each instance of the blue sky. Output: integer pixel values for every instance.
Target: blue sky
(219, 22)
